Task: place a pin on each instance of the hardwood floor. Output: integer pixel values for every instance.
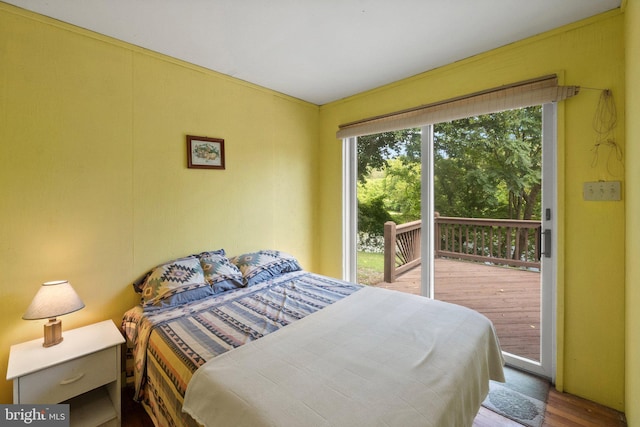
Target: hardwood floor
(567, 410)
(133, 414)
(563, 410)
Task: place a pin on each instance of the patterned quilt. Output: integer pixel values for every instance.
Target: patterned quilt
(170, 344)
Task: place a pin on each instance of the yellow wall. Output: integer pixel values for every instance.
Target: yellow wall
(93, 178)
(95, 189)
(591, 278)
(632, 194)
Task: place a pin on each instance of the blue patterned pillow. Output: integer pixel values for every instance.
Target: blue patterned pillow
(263, 265)
(219, 272)
(173, 283)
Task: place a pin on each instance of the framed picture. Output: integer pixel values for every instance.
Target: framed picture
(205, 153)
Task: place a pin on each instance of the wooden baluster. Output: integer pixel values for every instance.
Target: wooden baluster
(389, 251)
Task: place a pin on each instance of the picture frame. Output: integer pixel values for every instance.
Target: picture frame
(205, 153)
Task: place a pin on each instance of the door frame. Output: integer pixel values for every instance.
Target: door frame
(546, 367)
(350, 209)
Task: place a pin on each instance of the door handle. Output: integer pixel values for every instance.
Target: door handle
(546, 240)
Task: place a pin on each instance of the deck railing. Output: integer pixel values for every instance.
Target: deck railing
(495, 241)
(401, 248)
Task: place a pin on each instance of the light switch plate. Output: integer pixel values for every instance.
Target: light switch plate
(601, 191)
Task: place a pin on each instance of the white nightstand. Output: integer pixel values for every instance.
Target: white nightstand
(83, 370)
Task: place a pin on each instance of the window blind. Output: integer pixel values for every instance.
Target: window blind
(517, 95)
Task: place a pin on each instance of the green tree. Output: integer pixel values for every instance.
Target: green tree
(375, 154)
(485, 166)
(402, 184)
(372, 215)
(490, 165)
(374, 151)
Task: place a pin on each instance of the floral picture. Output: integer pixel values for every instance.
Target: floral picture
(205, 153)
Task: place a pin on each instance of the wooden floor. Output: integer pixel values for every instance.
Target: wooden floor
(509, 297)
(563, 410)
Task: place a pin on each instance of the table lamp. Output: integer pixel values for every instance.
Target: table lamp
(53, 299)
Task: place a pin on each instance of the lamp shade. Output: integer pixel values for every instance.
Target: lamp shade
(53, 299)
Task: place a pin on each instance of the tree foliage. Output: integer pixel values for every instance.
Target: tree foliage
(489, 166)
(484, 167)
(374, 151)
(372, 215)
(401, 186)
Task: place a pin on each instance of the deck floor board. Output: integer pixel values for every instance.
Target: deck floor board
(509, 297)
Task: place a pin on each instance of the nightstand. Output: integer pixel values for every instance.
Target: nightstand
(83, 370)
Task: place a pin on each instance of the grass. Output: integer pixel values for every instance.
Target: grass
(370, 268)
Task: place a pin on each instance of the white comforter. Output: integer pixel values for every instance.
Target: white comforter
(375, 358)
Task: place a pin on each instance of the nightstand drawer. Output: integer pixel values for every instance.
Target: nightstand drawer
(61, 382)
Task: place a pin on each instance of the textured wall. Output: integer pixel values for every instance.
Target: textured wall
(93, 175)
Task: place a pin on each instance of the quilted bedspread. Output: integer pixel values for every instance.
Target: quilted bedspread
(171, 344)
(374, 358)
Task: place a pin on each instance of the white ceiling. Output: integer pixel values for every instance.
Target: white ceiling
(319, 50)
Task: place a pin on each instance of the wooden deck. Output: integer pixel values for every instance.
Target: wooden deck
(509, 297)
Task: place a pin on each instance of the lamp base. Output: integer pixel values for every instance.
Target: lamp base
(52, 333)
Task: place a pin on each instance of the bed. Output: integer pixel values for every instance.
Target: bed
(255, 340)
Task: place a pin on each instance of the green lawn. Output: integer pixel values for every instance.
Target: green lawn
(370, 268)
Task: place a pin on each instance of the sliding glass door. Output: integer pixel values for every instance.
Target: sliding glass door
(542, 363)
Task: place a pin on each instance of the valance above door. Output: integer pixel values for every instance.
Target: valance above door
(518, 95)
